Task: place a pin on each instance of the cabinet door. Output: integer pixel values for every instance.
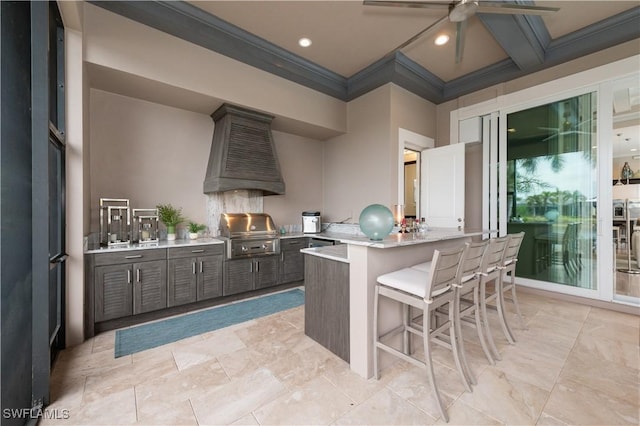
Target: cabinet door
(209, 277)
(150, 286)
(266, 271)
(113, 294)
(291, 266)
(238, 276)
(291, 260)
(182, 281)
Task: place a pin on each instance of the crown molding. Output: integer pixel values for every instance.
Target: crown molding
(192, 24)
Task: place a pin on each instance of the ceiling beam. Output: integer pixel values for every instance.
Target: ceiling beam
(524, 38)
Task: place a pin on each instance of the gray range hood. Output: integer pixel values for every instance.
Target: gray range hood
(243, 155)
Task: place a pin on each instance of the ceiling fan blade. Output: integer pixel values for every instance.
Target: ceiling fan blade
(414, 4)
(421, 33)
(461, 30)
(511, 9)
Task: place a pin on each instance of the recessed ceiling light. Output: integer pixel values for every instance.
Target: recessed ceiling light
(441, 39)
(634, 149)
(304, 42)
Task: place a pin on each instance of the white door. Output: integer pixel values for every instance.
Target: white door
(442, 183)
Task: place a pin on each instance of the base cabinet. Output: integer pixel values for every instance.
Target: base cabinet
(326, 304)
(129, 283)
(291, 260)
(194, 274)
(248, 274)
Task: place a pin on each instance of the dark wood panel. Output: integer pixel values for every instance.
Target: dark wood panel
(210, 272)
(129, 256)
(197, 250)
(266, 271)
(112, 292)
(150, 286)
(238, 276)
(182, 281)
(326, 306)
(293, 243)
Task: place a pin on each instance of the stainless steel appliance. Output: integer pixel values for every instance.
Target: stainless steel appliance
(311, 222)
(321, 242)
(249, 234)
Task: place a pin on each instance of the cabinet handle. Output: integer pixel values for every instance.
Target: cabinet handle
(197, 251)
(257, 266)
(193, 268)
(251, 267)
(282, 256)
(128, 276)
(200, 266)
(138, 275)
(137, 256)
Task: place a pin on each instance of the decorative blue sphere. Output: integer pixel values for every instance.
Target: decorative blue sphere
(376, 221)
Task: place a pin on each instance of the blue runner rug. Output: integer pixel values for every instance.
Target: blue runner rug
(147, 336)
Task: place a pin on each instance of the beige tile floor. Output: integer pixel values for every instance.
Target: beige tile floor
(573, 364)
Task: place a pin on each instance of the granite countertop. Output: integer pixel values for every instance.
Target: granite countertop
(397, 239)
(338, 252)
(160, 244)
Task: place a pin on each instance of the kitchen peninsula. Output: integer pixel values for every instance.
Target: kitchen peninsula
(367, 260)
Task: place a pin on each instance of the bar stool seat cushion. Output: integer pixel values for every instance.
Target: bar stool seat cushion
(410, 281)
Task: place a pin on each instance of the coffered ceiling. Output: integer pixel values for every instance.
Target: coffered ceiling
(352, 48)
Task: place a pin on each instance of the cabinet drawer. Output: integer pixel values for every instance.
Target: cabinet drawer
(195, 250)
(129, 256)
(293, 243)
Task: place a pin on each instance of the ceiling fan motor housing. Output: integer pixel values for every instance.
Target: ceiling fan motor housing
(460, 11)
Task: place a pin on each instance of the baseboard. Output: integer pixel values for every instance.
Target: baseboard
(627, 309)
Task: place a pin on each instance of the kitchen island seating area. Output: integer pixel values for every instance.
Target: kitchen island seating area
(449, 291)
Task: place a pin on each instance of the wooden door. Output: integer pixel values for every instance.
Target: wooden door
(182, 281)
(209, 277)
(113, 294)
(150, 286)
(442, 182)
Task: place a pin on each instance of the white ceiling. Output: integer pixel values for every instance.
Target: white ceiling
(348, 36)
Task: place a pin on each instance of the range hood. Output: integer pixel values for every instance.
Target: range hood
(243, 155)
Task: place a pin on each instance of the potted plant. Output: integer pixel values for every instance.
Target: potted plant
(171, 217)
(194, 228)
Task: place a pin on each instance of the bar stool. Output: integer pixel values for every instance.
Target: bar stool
(426, 291)
(508, 268)
(490, 272)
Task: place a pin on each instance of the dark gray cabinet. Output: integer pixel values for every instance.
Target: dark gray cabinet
(326, 303)
(248, 274)
(291, 260)
(195, 273)
(127, 283)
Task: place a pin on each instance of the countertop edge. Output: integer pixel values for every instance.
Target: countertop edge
(337, 253)
(149, 246)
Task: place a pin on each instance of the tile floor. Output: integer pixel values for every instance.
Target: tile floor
(573, 364)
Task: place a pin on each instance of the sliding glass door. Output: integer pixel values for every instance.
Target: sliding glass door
(551, 190)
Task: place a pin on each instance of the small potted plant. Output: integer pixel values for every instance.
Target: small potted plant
(171, 217)
(194, 228)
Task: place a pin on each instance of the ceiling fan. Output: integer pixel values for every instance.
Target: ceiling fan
(459, 12)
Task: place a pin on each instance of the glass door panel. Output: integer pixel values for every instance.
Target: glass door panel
(551, 190)
(625, 205)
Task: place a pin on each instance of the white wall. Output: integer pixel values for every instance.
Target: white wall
(151, 153)
(357, 168)
(117, 43)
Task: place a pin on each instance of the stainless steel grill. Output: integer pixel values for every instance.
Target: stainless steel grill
(249, 234)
